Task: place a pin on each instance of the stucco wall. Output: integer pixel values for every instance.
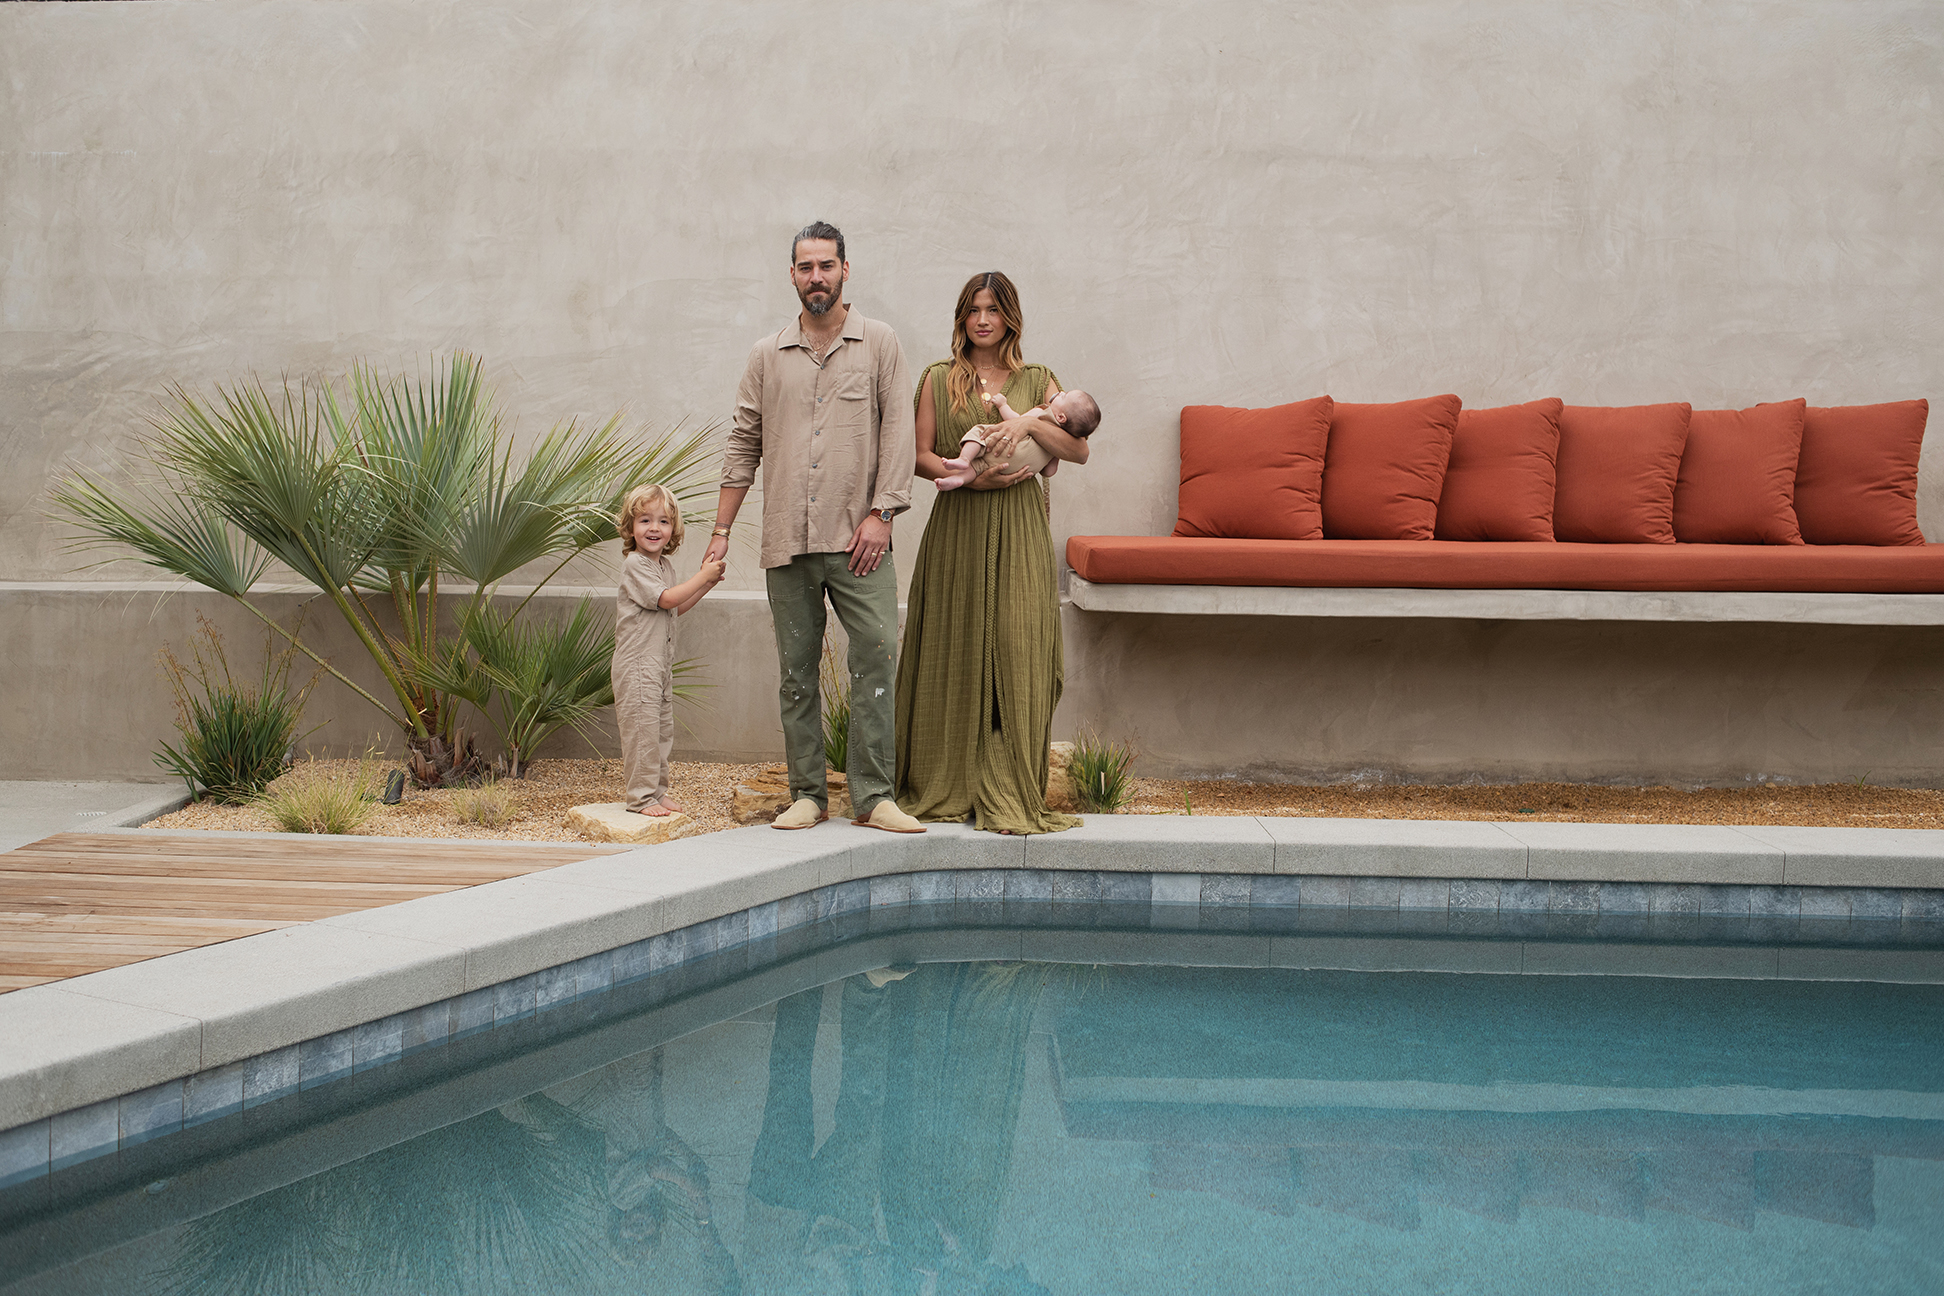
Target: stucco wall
(1227, 201)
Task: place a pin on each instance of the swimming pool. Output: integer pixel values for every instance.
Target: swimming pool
(1085, 1122)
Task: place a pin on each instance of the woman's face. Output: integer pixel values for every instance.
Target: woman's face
(983, 324)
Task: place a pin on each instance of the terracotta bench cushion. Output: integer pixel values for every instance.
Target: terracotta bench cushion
(1452, 564)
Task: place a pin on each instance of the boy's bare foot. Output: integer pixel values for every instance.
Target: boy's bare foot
(655, 811)
(672, 805)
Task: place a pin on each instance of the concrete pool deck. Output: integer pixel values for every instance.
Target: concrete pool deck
(33, 809)
(77, 1047)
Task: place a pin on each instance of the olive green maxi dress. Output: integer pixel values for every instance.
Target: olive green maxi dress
(982, 666)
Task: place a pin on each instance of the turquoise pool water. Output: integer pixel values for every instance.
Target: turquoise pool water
(1028, 1127)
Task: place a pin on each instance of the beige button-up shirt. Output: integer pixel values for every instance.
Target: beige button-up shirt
(644, 630)
(835, 440)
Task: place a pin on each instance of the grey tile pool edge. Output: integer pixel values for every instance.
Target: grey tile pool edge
(1220, 901)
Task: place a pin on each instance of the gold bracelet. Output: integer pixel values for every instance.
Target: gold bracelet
(721, 531)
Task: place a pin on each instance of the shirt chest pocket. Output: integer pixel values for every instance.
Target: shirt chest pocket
(854, 398)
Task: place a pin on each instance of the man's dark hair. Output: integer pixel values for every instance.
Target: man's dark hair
(818, 230)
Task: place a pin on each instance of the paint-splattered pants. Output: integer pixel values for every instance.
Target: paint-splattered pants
(867, 608)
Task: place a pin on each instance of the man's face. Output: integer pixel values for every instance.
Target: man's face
(818, 275)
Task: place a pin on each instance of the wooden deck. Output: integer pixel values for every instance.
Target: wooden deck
(81, 902)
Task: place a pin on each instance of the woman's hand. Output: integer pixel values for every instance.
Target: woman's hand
(995, 479)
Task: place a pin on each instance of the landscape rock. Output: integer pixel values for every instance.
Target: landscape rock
(611, 821)
(1059, 782)
(768, 795)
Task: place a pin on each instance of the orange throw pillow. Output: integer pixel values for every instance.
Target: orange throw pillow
(1737, 482)
(1386, 468)
(1504, 463)
(1617, 468)
(1253, 474)
(1856, 482)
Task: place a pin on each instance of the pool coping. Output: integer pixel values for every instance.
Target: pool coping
(82, 1043)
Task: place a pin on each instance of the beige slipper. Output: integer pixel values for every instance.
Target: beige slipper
(803, 813)
(886, 815)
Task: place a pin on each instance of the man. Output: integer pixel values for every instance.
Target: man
(825, 407)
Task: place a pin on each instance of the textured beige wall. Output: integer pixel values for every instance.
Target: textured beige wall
(1226, 201)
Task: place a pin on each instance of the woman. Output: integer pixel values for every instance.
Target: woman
(982, 668)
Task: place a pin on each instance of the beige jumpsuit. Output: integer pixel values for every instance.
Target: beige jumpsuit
(644, 678)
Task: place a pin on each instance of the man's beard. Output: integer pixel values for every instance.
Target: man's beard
(830, 299)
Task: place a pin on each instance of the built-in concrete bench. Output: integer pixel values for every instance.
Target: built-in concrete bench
(1510, 604)
(1813, 584)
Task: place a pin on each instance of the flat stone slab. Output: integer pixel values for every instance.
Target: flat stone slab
(613, 821)
(1431, 848)
(767, 795)
(1706, 853)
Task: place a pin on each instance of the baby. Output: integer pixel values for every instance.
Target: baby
(1073, 412)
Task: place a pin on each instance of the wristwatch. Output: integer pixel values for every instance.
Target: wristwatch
(886, 514)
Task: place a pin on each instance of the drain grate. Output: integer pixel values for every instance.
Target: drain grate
(89, 814)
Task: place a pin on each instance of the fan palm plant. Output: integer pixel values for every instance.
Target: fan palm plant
(546, 675)
(380, 492)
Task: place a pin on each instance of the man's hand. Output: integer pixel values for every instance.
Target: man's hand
(718, 550)
(868, 545)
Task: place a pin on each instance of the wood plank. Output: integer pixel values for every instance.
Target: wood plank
(349, 848)
(36, 944)
(112, 888)
(455, 873)
(131, 924)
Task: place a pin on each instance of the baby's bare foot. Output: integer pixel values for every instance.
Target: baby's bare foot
(949, 483)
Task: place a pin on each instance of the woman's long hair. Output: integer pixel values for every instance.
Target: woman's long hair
(961, 379)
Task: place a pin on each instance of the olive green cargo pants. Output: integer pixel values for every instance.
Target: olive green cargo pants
(867, 608)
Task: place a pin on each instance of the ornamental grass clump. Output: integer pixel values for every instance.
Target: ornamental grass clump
(234, 737)
(490, 805)
(1102, 773)
(325, 799)
(836, 709)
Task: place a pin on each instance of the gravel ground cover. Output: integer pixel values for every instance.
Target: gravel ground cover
(544, 796)
(554, 785)
(1838, 805)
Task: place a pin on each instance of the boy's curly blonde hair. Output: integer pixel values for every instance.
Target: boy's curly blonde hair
(638, 501)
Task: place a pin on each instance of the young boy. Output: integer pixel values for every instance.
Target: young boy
(647, 603)
(1073, 412)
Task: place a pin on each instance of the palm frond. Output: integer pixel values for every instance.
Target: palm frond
(547, 675)
(424, 445)
(175, 532)
(274, 469)
(682, 461)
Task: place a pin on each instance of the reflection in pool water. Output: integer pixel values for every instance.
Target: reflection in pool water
(1016, 1128)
